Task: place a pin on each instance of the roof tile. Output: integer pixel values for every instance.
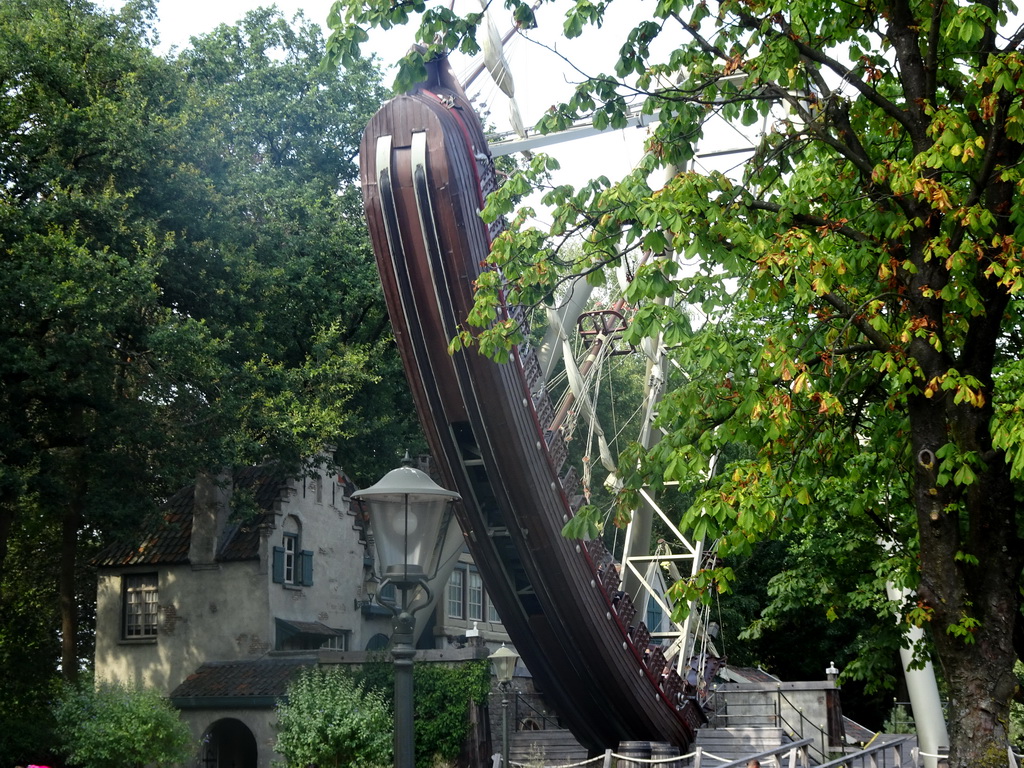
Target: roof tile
(263, 677)
(170, 531)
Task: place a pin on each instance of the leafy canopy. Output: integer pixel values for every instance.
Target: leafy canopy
(185, 284)
(853, 289)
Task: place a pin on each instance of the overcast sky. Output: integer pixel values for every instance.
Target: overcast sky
(181, 19)
(542, 77)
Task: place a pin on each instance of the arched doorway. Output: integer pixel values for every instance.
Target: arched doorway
(228, 743)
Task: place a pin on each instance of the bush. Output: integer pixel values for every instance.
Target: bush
(441, 699)
(442, 696)
(1017, 711)
(111, 726)
(329, 720)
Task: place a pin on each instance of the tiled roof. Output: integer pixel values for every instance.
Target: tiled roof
(215, 681)
(170, 534)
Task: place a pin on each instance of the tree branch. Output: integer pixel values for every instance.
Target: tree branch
(848, 75)
(903, 32)
(931, 63)
(814, 221)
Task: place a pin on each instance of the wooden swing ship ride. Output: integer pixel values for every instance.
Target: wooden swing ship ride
(425, 172)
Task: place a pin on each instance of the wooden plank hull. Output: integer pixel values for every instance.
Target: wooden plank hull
(425, 166)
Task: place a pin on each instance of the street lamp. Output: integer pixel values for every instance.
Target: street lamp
(504, 662)
(406, 510)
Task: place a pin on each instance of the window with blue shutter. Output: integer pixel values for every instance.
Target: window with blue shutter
(292, 565)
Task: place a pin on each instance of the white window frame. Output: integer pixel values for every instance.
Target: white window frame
(492, 612)
(291, 553)
(141, 608)
(337, 642)
(457, 594)
(475, 597)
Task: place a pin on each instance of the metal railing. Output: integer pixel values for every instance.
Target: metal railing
(793, 755)
(890, 754)
(525, 711)
(803, 728)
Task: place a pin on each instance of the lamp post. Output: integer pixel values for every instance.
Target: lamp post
(504, 662)
(406, 510)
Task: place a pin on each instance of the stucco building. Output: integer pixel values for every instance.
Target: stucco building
(240, 582)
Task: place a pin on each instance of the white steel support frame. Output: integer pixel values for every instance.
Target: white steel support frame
(682, 636)
(637, 557)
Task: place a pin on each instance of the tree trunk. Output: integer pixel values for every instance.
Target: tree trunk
(70, 523)
(970, 567)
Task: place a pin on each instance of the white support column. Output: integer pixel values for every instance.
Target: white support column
(924, 692)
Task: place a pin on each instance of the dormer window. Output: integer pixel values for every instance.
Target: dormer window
(293, 566)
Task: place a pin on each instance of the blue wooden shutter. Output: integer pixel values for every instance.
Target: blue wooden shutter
(306, 564)
(278, 565)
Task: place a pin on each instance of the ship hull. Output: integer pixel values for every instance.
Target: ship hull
(425, 168)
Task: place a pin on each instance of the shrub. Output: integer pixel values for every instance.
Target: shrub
(331, 721)
(441, 699)
(112, 726)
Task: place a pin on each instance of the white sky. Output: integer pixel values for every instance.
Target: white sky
(542, 78)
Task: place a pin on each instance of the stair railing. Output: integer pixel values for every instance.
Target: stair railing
(796, 724)
(792, 755)
(876, 756)
(804, 727)
(523, 710)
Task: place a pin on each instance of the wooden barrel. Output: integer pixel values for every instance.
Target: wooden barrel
(662, 750)
(631, 749)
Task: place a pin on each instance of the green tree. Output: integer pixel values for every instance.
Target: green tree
(111, 726)
(329, 719)
(859, 276)
(442, 696)
(29, 646)
(88, 350)
(294, 245)
(185, 284)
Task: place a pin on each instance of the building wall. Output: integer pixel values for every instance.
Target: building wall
(456, 612)
(333, 532)
(801, 708)
(261, 723)
(201, 617)
(227, 611)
